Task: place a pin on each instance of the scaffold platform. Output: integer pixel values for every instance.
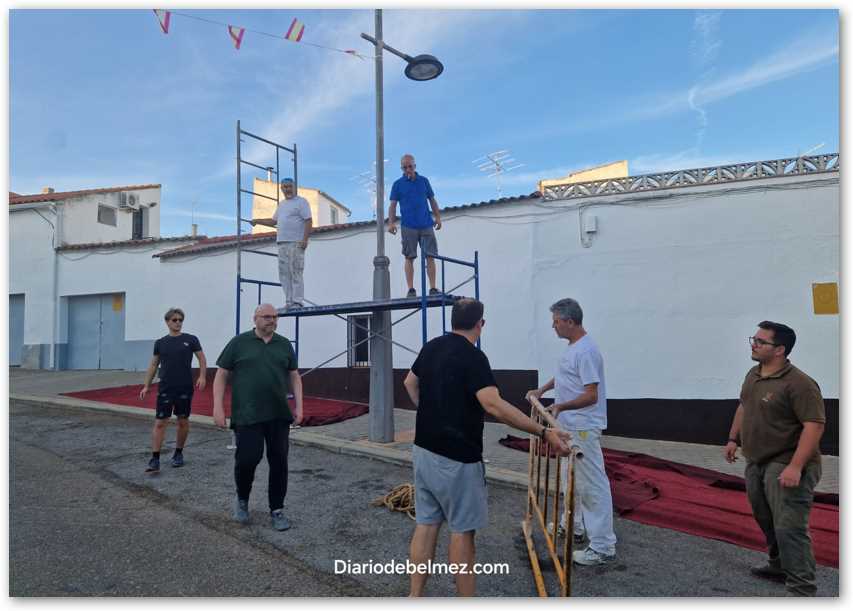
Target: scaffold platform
(404, 303)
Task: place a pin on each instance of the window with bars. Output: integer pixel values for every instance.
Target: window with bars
(358, 354)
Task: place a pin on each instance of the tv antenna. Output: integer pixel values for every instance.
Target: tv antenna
(498, 163)
(367, 180)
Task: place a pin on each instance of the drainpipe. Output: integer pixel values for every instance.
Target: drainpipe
(57, 237)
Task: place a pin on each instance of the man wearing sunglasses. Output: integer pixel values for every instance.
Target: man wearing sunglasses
(779, 423)
(416, 197)
(174, 354)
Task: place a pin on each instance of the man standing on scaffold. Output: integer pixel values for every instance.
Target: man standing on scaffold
(415, 195)
(292, 218)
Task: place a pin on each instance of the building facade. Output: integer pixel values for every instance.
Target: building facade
(673, 271)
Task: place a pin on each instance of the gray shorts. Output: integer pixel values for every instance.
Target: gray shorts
(412, 237)
(451, 491)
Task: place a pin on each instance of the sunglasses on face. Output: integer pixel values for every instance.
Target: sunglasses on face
(177, 320)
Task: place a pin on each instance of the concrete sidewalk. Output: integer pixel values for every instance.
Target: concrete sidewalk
(351, 436)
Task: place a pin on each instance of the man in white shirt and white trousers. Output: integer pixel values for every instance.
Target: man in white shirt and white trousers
(292, 218)
(580, 405)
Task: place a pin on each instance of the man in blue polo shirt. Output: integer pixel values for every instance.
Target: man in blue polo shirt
(413, 191)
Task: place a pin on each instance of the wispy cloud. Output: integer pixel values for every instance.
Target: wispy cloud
(319, 95)
(806, 53)
(183, 212)
(809, 51)
(689, 159)
(705, 46)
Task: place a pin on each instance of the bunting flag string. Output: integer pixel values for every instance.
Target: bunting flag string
(163, 17)
(236, 35)
(293, 34)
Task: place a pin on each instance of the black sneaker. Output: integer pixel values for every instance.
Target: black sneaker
(153, 465)
(434, 292)
(768, 571)
(412, 293)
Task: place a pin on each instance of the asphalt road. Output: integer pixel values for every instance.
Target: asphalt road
(85, 520)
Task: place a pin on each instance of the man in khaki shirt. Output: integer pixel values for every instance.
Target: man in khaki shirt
(780, 421)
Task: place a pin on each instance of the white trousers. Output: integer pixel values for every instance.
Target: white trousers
(593, 501)
(291, 263)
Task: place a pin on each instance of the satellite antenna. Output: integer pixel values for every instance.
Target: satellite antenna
(367, 180)
(498, 163)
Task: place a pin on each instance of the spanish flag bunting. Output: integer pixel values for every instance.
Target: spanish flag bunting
(236, 35)
(294, 33)
(163, 17)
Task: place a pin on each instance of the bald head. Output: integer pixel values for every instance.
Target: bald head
(266, 320)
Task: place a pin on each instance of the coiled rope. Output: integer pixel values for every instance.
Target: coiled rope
(401, 498)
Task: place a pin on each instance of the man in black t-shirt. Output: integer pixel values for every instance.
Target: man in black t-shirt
(174, 354)
(451, 383)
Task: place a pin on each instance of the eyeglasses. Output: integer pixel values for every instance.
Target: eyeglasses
(177, 320)
(757, 341)
(408, 167)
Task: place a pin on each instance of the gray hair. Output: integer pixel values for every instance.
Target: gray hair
(568, 309)
(263, 305)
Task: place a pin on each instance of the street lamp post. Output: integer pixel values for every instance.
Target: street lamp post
(381, 415)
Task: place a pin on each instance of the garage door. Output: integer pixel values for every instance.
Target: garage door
(96, 331)
(16, 329)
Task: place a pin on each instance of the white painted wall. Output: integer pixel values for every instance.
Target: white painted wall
(31, 260)
(80, 217)
(672, 284)
(132, 271)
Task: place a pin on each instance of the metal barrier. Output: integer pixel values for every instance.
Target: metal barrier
(543, 494)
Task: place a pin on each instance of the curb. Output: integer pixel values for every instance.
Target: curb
(301, 437)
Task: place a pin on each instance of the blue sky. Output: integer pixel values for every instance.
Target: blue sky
(103, 98)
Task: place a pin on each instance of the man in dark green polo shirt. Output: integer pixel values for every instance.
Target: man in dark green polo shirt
(264, 370)
(780, 421)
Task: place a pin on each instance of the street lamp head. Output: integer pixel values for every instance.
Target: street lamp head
(423, 68)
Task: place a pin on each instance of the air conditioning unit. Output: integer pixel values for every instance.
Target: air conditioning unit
(128, 201)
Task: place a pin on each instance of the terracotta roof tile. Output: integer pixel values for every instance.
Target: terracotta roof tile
(123, 243)
(15, 198)
(230, 241)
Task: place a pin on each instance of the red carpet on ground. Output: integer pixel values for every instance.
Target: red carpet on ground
(317, 411)
(699, 501)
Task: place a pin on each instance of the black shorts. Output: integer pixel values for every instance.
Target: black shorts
(179, 399)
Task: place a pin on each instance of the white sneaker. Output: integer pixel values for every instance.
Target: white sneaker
(590, 557)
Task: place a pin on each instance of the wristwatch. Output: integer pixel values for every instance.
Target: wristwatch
(733, 440)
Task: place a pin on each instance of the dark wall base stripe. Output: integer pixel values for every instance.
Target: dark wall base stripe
(686, 420)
